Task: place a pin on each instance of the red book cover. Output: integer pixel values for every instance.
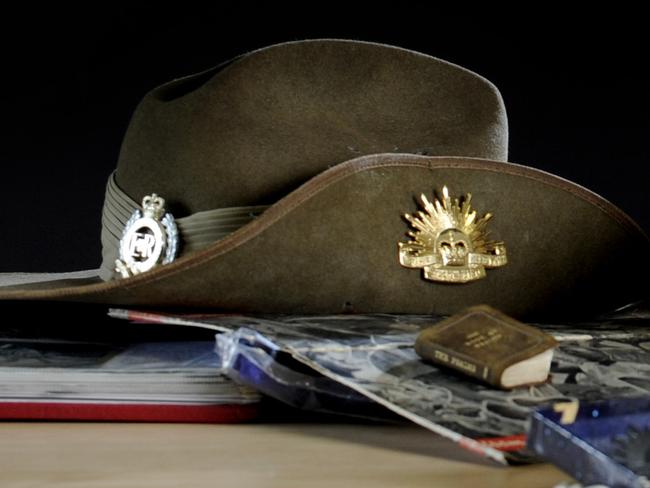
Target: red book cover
(127, 412)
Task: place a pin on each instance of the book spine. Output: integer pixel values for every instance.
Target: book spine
(460, 362)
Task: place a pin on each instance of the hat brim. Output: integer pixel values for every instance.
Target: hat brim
(332, 246)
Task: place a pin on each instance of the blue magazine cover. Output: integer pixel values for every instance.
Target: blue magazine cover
(605, 443)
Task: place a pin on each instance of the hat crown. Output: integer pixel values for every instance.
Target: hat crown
(251, 130)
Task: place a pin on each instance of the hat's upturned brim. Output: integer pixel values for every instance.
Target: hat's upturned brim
(332, 246)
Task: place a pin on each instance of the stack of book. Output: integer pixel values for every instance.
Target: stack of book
(172, 381)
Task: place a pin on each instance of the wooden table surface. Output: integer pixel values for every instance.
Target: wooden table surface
(263, 455)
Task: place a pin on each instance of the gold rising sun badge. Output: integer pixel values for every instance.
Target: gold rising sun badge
(449, 242)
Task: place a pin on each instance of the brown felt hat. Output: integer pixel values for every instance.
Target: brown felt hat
(333, 176)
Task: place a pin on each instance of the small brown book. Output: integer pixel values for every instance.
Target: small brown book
(490, 346)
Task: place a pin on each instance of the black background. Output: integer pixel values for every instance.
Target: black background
(576, 90)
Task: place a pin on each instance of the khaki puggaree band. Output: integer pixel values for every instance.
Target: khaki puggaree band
(197, 231)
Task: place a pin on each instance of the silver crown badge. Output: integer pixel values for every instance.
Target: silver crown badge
(148, 240)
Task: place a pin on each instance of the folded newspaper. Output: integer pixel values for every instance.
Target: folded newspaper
(354, 363)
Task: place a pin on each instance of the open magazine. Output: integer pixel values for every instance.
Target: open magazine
(347, 363)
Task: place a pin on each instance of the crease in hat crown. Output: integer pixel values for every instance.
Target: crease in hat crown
(251, 130)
